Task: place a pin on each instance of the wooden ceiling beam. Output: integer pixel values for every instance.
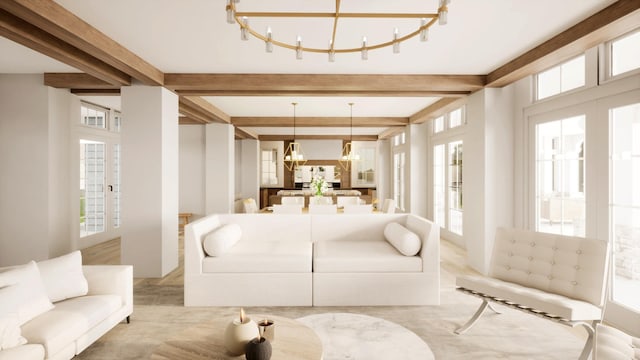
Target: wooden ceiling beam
(205, 108)
(609, 23)
(389, 133)
(319, 121)
(434, 110)
(96, 92)
(77, 81)
(186, 120)
(60, 23)
(360, 92)
(244, 134)
(34, 38)
(323, 84)
(317, 137)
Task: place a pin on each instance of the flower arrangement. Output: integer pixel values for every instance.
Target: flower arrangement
(319, 185)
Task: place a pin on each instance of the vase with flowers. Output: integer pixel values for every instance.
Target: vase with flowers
(319, 186)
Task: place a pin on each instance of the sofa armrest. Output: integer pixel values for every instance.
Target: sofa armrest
(110, 279)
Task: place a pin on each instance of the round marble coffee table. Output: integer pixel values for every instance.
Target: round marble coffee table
(293, 340)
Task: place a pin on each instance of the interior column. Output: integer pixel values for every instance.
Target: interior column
(219, 168)
(149, 180)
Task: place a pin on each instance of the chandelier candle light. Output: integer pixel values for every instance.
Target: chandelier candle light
(348, 155)
(293, 156)
(426, 21)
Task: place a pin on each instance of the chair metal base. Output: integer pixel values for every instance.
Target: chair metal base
(588, 325)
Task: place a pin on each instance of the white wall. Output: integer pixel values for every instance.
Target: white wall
(219, 168)
(321, 149)
(383, 170)
(249, 169)
(192, 145)
(150, 180)
(34, 206)
(488, 171)
(418, 172)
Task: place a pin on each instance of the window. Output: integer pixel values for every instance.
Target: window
(624, 196)
(92, 187)
(439, 189)
(455, 187)
(438, 124)
(455, 118)
(115, 188)
(564, 77)
(117, 121)
(625, 54)
(447, 186)
(399, 139)
(363, 173)
(560, 180)
(449, 120)
(398, 179)
(93, 116)
(269, 167)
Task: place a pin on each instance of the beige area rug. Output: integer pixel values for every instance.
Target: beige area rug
(511, 335)
(348, 336)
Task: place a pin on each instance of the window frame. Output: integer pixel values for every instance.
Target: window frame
(536, 86)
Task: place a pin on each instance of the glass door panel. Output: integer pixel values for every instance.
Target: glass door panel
(92, 187)
(625, 203)
(560, 181)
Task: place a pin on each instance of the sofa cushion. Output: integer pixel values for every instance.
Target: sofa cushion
(24, 352)
(63, 277)
(31, 291)
(69, 320)
(10, 335)
(222, 239)
(262, 256)
(549, 303)
(361, 256)
(404, 240)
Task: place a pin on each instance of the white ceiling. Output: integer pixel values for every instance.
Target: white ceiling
(192, 36)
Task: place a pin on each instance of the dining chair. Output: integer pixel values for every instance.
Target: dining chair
(358, 209)
(287, 208)
(292, 200)
(320, 200)
(250, 206)
(347, 200)
(323, 209)
(389, 206)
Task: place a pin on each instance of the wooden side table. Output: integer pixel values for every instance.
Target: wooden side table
(293, 340)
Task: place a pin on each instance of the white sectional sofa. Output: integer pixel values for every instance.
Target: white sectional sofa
(80, 304)
(293, 260)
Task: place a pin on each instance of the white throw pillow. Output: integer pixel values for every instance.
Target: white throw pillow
(32, 294)
(63, 277)
(405, 241)
(222, 239)
(10, 333)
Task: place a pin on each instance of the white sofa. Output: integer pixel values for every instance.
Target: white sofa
(328, 259)
(68, 326)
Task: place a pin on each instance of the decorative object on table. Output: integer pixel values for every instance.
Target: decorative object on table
(239, 332)
(319, 186)
(258, 348)
(268, 329)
